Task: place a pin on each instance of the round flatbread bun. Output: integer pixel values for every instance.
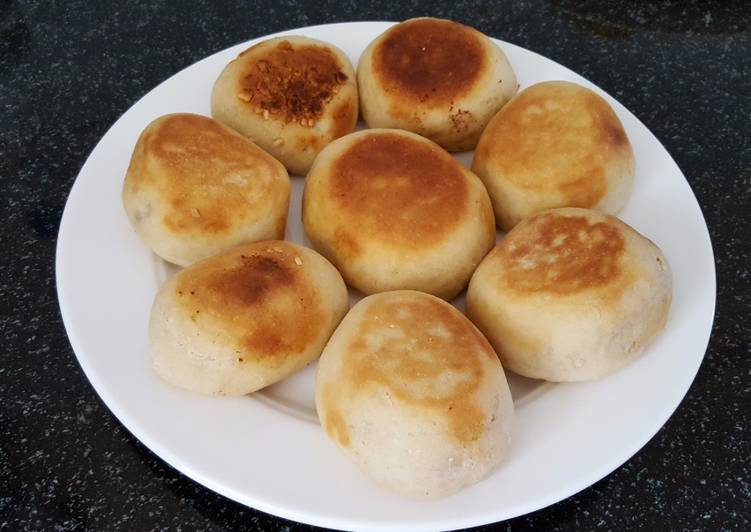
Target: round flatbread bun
(556, 144)
(415, 395)
(434, 77)
(195, 188)
(290, 95)
(571, 295)
(393, 210)
(246, 318)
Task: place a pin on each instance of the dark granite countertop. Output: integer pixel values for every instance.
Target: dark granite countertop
(68, 70)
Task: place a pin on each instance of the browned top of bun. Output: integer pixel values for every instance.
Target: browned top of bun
(400, 187)
(424, 353)
(210, 177)
(563, 253)
(556, 135)
(429, 60)
(259, 296)
(290, 81)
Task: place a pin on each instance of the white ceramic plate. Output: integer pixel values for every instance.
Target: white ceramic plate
(267, 450)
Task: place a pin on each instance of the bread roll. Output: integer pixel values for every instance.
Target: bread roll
(414, 394)
(434, 77)
(556, 144)
(291, 95)
(195, 188)
(246, 318)
(571, 295)
(393, 210)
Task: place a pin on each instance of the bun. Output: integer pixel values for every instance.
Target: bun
(245, 318)
(392, 210)
(556, 144)
(435, 77)
(571, 295)
(415, 395)
(291, 95)
(195, 188)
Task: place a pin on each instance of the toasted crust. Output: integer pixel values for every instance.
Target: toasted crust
(570, 294)
(393, 210)
(430, 61)
(398, 188)
(195, 187)
(437, 78)
(394, 349)
(556, 144)
(562, 255)
(423, 363)
(291, 95)
(245, 318)
(291, 83)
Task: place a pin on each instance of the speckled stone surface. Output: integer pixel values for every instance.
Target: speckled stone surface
(68, 70)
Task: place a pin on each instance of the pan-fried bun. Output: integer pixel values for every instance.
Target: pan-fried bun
(291, 95)
(556, 144)
(434, 77)
(412, 392)
(570, 295)
(392, 210)
(195, 188)
(246, 318)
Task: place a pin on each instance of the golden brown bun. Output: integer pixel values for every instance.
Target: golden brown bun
(571, 294)
(556, 144)
(246, 318)
(393, 210)
(290, 95)
(434, 77)
(414, 394)
(195, 188)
